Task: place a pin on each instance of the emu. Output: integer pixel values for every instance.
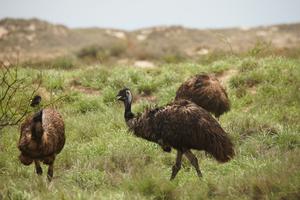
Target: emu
(181, 125)
(42, 138)
(205, 91)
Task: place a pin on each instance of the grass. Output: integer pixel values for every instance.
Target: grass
(101, 160)
(66, 62)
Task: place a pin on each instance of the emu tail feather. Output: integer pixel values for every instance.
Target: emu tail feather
(220, 147)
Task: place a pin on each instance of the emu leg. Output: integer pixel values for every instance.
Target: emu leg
(194, 161)
(38, 167)
(49, 161)
(50, 172)
(176, 167)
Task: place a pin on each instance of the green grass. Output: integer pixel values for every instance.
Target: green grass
(101, 160)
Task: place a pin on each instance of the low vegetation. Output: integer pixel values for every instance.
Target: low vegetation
(15, 92)
(101, 160)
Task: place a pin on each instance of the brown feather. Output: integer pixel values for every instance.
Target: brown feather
(183, 125)
(52, 141)
(205, 91)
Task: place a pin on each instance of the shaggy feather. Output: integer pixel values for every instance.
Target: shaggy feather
(205, 91)
(182, 125)
(42, 138)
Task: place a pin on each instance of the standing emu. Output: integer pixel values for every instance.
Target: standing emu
(205, 91)
(42, 138)
(182, 125)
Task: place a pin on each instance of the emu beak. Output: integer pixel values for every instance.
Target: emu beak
(119, 97)
(31, 103)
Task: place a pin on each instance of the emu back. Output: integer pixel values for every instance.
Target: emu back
(184, 125)
(52, 140)
(205, 91)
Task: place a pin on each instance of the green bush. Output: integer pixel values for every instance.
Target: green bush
(62, 63)
(87, 105)
(101, 53)
(173, 58)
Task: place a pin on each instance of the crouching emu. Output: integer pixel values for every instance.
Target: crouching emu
(205, 91)
(181, 125)
(42, 138)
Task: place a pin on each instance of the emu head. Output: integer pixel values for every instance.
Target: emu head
(125, 95)
(35, 101)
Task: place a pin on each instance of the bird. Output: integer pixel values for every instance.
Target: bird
(42, 137)
(205, 91)
(181, 125)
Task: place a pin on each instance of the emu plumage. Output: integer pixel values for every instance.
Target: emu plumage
(42, 138)
(181, 125)
(205, 91)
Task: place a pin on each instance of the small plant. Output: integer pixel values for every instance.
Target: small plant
(87, 105)
(246, 80)
(117, 50)
(101, 53)
(54, 82)
(147, 87)
(211, 57)
(260, 48)
(14, 97)
(94, 78)
(62, 63)
(94, 53)
(173, 58)
(249, 64)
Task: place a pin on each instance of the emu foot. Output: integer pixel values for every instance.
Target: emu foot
(175, 170)
(50, 172)
(50, 176)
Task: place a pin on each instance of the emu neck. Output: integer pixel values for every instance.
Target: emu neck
(128, 114)
(37, 131)
(37, 126)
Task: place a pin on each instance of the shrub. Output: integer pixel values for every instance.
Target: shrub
(173, 58)
(62, 63)
(101, 53)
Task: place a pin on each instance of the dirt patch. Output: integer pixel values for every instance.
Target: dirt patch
(85, 90)
(149, 98)
(226, 76)
(143, 64)
(252, 90)
(76, 86)
(3, 32)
